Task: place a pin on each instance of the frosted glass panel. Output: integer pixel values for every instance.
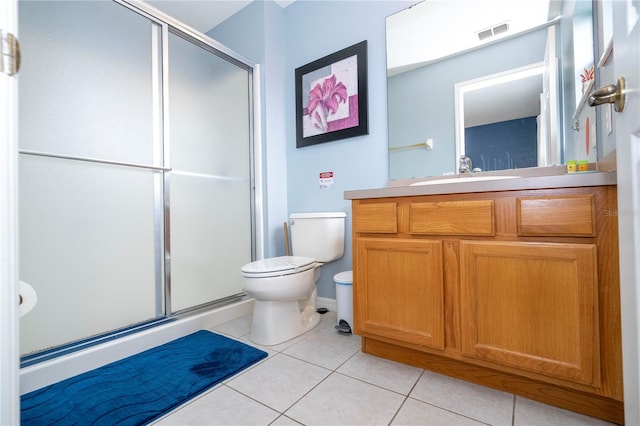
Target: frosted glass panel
(210, 183)
(87, 83)
(91, 234)
(209, 112)
(87, 248)
(210, 239)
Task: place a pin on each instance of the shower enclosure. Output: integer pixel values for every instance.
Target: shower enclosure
(136, 183)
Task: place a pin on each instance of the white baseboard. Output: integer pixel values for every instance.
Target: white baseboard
(323, 302)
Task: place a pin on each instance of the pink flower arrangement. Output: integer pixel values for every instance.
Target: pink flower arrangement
(324, 100)
(589, 74)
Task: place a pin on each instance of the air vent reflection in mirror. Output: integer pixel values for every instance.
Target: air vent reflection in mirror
(494, 31)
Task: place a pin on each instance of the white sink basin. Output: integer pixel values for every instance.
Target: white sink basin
(465, 179)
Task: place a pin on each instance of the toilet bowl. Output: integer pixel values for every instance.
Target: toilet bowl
(284, 289)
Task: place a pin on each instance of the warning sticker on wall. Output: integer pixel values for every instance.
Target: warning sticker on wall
(326, 180)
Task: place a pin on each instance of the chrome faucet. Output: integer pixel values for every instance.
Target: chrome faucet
(464, 167)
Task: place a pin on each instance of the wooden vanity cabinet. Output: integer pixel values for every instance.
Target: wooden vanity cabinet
(516, 290)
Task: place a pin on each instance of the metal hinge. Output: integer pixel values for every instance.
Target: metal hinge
(9, 53)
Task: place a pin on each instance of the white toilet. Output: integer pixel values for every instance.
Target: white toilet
(284, 288)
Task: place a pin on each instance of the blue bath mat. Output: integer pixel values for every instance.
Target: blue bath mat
(142, 387)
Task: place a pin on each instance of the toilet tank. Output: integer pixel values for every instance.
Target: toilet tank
(318, 235)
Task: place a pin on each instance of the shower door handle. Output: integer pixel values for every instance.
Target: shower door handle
(9, 53)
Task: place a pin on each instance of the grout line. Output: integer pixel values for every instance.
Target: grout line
(331, 372)
(398, 410)
(466, 416)
(281, 352)
(407, 397)
(371, 384)
(286, 417)
(306, 393)
(255, 400)
(443, 408)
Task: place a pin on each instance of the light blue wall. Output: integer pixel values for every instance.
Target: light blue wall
(284, 40)
(315, 29)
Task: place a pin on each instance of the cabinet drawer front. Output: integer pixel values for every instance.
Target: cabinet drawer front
(557, 216)
(453, 218)
(378, 218)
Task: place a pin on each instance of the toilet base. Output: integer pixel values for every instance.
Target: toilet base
(278, 321)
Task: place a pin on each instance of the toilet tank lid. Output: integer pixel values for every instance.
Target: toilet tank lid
(317, 215)
(279, 264)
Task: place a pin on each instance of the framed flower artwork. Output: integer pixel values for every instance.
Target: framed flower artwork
(331, 97)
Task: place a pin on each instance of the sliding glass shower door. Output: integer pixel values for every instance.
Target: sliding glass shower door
(135, 171)
(210, 176)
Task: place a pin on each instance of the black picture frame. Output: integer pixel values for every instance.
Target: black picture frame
(338, 95)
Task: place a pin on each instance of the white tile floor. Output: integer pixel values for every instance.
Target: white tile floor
(322, 378)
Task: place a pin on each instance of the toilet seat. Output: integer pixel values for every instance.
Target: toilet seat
(277, 266)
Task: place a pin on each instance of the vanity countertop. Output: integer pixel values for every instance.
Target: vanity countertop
(566, 180)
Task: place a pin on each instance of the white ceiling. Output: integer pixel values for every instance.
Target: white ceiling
(435, 29)
(203, 15)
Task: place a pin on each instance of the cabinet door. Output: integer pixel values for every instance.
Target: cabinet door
(398, 290)
(532, 306)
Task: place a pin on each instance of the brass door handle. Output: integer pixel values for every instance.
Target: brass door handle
(613, 94)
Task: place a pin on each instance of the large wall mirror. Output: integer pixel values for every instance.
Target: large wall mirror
(500, 83)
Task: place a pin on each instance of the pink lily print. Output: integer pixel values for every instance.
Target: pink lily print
(324, 100)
